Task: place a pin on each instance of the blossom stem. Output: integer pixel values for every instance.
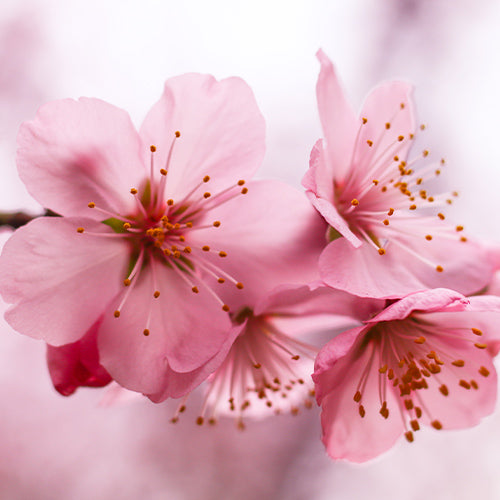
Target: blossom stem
(18, 219)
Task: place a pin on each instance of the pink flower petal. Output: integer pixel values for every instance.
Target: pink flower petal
(318, 178)
(462, 407)
(303, 300)
(222, 132)
(77, 364)
(309, 179)
(480, 313)
(366, 273)
(334, 219)
(53, 277)
(319, 189)
(330, 354)
(76, 152)
(345, 434)
(493, 250)
(439, 299)
(177, 384)
(382, 109)
(271, 235)
(338, 120)
(186, 330)
(494, 286)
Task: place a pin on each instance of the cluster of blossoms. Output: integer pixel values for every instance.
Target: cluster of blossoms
(167, 267)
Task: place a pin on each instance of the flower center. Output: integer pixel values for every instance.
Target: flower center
(265, 371)
(384, 192)
(413, 358)
(160, 232)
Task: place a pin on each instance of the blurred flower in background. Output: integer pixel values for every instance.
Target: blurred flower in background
(57, 448)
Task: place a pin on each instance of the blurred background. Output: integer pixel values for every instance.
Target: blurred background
(122, 51)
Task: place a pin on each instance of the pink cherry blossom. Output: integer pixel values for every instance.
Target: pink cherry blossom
(268, 367)
(425, 359)
(387, 232)
(156, 227)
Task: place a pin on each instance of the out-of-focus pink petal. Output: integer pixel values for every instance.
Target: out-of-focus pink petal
(494, 286)
(364, 272)
(493, 250)
(76, 152)
(222, 132)
(271, 235)
(338, 120)
(54, 277)
(178, 340)
(77, 364)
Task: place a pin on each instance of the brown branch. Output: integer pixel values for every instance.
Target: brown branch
(18, 219)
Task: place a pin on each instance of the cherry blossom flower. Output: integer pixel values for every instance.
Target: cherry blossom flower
(388, 236)
(423, 360)
(268, 367)
(156, 226)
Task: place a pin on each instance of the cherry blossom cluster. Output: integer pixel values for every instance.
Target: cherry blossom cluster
(167, 267)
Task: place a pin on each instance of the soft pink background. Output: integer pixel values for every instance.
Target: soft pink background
(122, 51)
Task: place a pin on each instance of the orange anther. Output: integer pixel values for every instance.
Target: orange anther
(443, 390)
